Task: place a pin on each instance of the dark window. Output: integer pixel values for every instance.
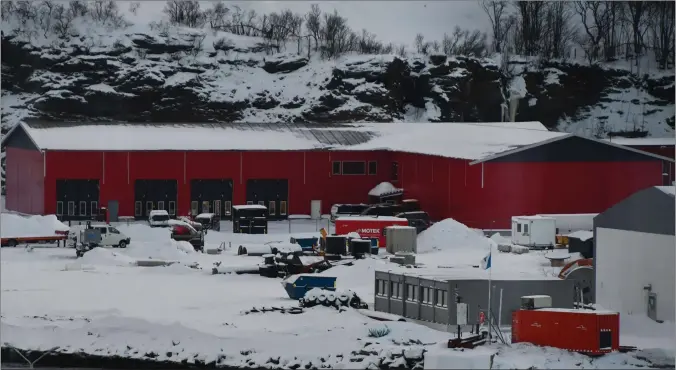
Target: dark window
(95, 208)
(149, 206)
(83, 208)
(228, 207)
(271, 208)
(261, 203)
(336, 168)
(525, 229)
(59, 208)
(194, 208)
(249, 202)
(71, 208)
(160, 205)
(354, 168)
(138, 209)
(282, 208)
(518, 228)
(172, 207)
(373, 168)
(217, 207)
(395, 171)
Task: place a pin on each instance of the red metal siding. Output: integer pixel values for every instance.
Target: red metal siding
(511, 189)
(25, 184)
(116, 183)
(665, 151)
(69, 165)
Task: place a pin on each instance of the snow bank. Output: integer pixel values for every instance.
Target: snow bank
(445, 358)
(451, 234)
(103, 257)
(145, 233)
(16, 226)
(168, 250)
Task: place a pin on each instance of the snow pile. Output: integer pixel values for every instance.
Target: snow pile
(384, 188)
(169, 250)
(15, 226)
(103, 257)
(144, 233)
(450, 234)
(499, 239)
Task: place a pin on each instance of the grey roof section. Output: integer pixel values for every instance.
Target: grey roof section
(332, 134)
(650, 210)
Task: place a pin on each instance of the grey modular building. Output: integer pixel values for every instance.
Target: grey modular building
(431, 296)
(634, 252)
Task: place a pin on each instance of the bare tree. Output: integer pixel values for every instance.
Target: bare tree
(104, 11)
(662, 32)
(464, 42)
(186, 13)
(313, 23)
(531, 25)
(500, 22)
(45, 16)
(78, 8)
(595, 21)
(335, 34)
(558, 33)
(637, 12)
(63, 20)
(133, 7)
(419, 42)
(217, 16)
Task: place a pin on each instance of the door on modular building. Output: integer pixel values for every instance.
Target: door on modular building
(272, 193)
(211, 196)
(77, 199)
(154, 194)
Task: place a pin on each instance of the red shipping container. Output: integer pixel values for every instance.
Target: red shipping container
(368, 227)
(590, 332)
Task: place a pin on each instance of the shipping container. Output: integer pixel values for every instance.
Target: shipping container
(534, 231)
(368, 227)
(585, 331)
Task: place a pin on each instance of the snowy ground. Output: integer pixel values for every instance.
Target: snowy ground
(102, 304)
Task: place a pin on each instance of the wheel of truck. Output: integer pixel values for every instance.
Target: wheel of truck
(123, 244)
(12, 243)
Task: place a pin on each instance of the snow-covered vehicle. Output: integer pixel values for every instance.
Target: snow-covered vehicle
(99, 235)
(158, 218)
(183, 231)
(209, 221)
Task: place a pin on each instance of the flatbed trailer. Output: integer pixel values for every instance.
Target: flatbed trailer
(14, 241)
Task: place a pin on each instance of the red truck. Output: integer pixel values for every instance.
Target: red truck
(368, 227)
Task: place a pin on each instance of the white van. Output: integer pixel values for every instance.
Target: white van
(110, 236)
(158, 218)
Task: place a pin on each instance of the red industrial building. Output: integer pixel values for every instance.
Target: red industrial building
(479, 174)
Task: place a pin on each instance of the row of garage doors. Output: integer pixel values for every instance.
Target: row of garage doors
(79, 199)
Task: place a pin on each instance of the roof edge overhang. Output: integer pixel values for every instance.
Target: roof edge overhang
(563, 137)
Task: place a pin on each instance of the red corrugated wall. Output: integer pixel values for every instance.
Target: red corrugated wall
(308, 173)
(24, 181)
(665, 151)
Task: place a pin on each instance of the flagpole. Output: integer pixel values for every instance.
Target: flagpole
(490, 282)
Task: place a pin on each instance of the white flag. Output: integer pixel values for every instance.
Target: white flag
(486, 262)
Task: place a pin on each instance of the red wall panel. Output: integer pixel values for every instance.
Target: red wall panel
(512, 189)
(69, 165)
(116, 182)
(24, 181)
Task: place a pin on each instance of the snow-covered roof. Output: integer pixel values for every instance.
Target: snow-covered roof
(454, 140)
(384, 188)
(671, 190)
(645, 141)
(250, 206)
(583, 235)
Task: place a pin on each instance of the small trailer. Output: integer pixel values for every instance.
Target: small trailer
(535, 232)
(14, 241)
(368, 227)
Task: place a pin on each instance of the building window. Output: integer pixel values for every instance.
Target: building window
(518, 228)
(71, 208)
(138, 209)
(282, 208)
(373, 168)
(525, 229)
(228, 207)
(83, 208)
(412, 293)
(194, 208)
(427, 296)
(336, 168)
(149, 206)
(354, 168)
(271, 208)
(59, 208)
(396, 290)
(160, 205)
(217, 207)
(172, 208)
(249, 202)
(395, 171)
(261, 203)
(205, 206)
(95, 208)
(380, 288)
(441, 298)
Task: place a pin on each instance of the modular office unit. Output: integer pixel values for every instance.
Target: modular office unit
(432, 298)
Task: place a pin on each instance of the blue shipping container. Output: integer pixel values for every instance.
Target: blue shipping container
(297, 285)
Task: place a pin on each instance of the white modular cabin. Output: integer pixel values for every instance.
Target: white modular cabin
(535, 232)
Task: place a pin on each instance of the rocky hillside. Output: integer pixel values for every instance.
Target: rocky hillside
(179, 74)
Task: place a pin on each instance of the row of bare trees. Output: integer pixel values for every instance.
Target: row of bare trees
(603, 30)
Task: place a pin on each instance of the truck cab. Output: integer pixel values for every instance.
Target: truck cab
(158, 218)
